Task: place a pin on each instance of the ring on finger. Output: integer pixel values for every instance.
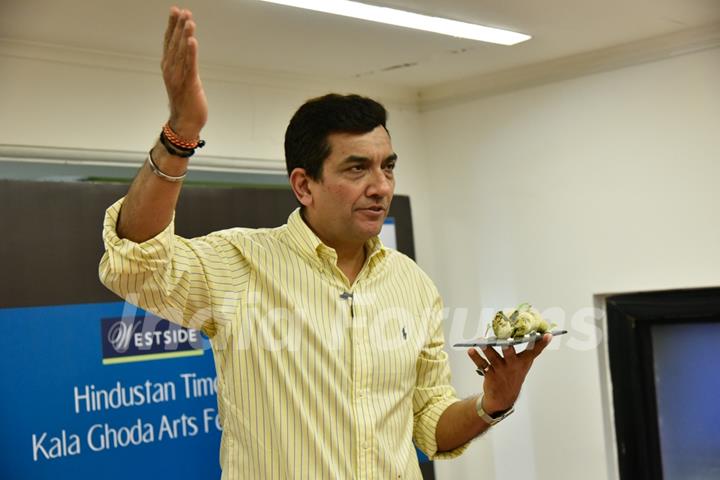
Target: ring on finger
(483, 370)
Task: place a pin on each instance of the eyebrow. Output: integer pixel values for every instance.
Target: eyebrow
(361, 159)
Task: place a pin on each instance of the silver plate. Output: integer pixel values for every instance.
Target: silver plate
(504, 342)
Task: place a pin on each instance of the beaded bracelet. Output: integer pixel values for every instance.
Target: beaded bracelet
(156, 170)
(181, 143)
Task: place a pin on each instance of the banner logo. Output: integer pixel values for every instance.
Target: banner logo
(144, 336)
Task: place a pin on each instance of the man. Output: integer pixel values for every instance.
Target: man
(328, 346)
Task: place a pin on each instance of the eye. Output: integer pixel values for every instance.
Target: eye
(390, 166)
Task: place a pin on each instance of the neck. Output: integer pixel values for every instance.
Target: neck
(350, 256)
(351, 263)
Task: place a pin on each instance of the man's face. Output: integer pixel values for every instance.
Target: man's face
(351, 199)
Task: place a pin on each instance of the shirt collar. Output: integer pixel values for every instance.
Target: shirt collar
(310, 244)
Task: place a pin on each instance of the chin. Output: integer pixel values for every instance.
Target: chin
(368, 229)
(365, 232)
(375, 231)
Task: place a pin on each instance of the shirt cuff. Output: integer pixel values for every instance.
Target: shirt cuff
(427, 441)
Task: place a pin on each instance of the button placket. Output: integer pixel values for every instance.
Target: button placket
(360, 383)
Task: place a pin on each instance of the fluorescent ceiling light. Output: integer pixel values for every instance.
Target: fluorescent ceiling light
(401, 18)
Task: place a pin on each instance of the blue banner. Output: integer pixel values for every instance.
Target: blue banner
(105, 391)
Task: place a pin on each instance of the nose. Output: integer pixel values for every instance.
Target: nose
(381, 185)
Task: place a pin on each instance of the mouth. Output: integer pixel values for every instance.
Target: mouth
(374, 209)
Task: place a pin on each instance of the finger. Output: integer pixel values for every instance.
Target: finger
(192, 57)
(509, 353)
(479, 361)
(190, 48)
(181, 57)
(483, 365)
(536, 347)
(172, 21)
(182, 43)
(493, 356)
(175, 38)
(177, 29)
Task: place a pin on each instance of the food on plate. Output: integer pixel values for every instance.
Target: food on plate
(517, 322)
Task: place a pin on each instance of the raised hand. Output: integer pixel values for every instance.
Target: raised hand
(188, 103)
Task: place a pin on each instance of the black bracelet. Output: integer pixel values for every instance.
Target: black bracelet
(173, 150)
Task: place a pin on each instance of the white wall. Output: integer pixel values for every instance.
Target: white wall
(57, 97)
(606, 183)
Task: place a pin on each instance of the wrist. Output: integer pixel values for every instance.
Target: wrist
(489, 417)
(167, 162)
(187, 130)
(492, 407)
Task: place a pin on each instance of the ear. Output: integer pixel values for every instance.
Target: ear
(300, 183)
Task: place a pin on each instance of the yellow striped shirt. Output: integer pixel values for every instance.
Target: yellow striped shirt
(317, 378)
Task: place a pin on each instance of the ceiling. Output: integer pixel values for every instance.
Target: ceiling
(255, 35)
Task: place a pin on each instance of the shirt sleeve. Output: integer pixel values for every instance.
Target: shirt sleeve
(433, 391)
(188, 282)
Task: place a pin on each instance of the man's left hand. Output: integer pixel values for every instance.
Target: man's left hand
(505, 374)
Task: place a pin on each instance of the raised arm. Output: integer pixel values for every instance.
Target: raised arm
(149, 205)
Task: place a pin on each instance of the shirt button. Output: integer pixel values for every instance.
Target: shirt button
(366, 445)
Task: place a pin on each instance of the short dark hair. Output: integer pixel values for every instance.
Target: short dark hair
(306, 137)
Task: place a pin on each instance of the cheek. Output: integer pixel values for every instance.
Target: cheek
(345, 195)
